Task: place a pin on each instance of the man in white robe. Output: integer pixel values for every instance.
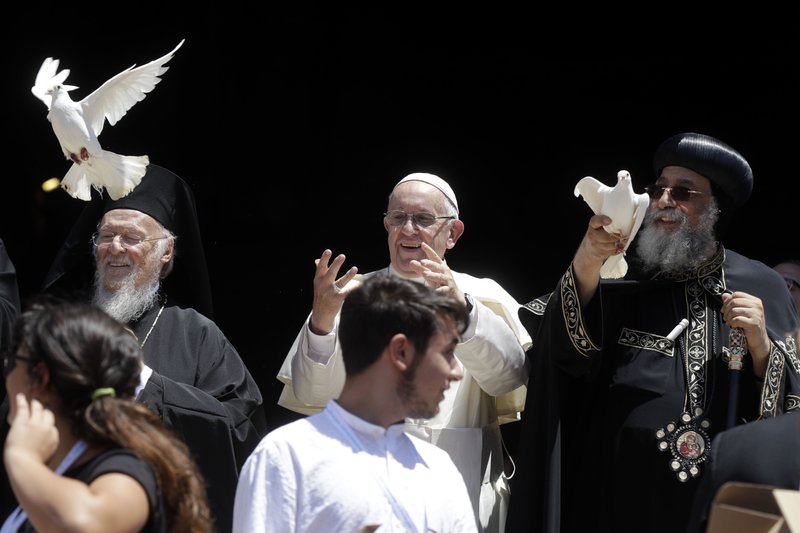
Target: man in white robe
(422, 223)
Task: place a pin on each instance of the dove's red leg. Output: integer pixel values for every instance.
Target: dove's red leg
(84, 154)
(75, 158)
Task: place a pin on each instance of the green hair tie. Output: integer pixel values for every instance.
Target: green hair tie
(103, 391)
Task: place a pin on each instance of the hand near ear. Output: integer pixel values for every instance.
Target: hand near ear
(33, 431)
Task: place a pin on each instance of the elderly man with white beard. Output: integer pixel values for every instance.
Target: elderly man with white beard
(145, 254)
(626, 370)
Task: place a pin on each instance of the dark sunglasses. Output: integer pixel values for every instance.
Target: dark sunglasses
(678, 193)
(10, 361)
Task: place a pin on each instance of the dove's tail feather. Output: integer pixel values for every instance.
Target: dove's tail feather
(614, 267)
(117, 174)
(76, 182)
(122, 173)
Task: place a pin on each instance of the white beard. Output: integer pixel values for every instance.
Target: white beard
(676, 251)
(127, 303)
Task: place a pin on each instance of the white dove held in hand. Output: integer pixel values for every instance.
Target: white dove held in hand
(77, 125)
(625, 208)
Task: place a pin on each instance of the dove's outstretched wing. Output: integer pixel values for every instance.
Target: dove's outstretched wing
(48, 77)
(593, 192)
(117, 95)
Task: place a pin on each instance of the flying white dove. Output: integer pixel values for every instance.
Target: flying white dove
(625, 208)
(77, 125)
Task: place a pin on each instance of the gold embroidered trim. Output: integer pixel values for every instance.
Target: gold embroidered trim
(790, 347)
(792, 403)
(647, 341)
(697, 348)
(536, 306)
(573, 318)
(772, 382)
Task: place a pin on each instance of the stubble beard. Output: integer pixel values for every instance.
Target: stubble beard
(407, 392)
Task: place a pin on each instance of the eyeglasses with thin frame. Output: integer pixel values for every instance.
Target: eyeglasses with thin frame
(10, 361)
(397, 218)
(679, 193)
(791, 283)
(102, 238)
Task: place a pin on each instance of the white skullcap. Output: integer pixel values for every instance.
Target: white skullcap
(434, 180)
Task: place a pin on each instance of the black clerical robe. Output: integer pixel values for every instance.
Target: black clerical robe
(202, 389)
(9, 302)
(606, 378)
(764, 452)
(9, 296)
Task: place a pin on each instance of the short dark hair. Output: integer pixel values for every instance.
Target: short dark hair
(385, 305)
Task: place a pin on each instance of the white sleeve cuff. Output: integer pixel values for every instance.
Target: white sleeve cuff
(143, 377)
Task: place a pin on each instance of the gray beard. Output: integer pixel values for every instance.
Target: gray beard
(128, 303)
(678, 251)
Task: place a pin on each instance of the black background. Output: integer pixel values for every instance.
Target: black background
(293, 123)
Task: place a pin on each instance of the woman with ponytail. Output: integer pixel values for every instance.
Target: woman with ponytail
(81, 454)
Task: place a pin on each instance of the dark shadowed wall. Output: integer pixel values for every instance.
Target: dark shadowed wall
(293, 123)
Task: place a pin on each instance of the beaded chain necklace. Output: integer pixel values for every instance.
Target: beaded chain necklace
(149, 331)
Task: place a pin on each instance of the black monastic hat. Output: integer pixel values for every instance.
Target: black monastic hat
(722, 165)
(167, 198)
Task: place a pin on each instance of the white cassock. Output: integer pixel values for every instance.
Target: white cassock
(492, 391)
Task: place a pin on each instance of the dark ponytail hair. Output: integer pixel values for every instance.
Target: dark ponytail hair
(94, 364)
